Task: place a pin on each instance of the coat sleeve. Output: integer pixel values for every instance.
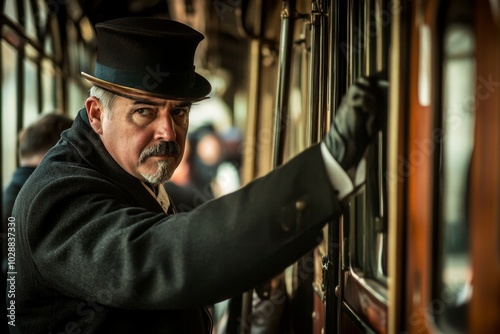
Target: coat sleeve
(88, 242)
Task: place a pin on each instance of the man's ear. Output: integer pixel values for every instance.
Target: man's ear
(95, 112)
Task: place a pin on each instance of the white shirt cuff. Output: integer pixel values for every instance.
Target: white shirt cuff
(337, 175)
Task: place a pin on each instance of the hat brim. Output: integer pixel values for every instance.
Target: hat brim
(203, 84)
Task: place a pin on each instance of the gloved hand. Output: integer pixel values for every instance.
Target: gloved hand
(356, 122)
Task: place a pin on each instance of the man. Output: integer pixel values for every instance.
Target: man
(99, 248)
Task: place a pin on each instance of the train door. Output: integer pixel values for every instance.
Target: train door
(452, 232)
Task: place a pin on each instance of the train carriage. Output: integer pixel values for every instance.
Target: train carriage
(418, 249)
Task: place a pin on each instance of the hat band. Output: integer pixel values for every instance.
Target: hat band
(153, 79)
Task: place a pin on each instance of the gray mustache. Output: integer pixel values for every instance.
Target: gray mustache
(163, 148)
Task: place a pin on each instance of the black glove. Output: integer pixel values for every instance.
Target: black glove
(356, 122)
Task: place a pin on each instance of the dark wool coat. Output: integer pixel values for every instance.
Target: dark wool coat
(19, 177)
(21, 174)
(96, 253)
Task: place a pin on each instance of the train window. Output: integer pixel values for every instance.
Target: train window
(30, 102)
(48, 45)
(358, 37)
(86, 56)
(48, 85)
(458, 78)
(11, 10)
(9, 107)
(72, 35)
(38, 74)
(29, 19)
(41, 14)
(75, 97)
(50, 40)
(367, 219)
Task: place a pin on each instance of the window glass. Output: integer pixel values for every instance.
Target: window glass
(76, 98)
(297, 136)
(85, 59)
(29, 20)
(41, 13)
(48, 45)
(458, 139)
(52, 43)
(358, 228)
(48, 86)
(30, 104)
(73, 55)
(9, 111)
(11, 9)
(31, 53)
(377, 219)
(367, 219)
(43, 89)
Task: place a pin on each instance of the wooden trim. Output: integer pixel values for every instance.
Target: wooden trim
(485, 175)
(418, 166)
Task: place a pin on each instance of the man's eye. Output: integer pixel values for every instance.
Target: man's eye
(145, 112)
(180, 111)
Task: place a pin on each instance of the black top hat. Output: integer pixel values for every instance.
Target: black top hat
(152, 56)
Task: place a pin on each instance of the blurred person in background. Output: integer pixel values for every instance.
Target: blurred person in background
(34, 142)
(209, 169)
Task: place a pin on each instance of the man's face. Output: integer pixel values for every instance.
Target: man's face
(146, 135)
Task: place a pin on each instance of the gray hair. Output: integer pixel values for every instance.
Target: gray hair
(105, 96)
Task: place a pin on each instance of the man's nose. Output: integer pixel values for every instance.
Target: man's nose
(165, 128)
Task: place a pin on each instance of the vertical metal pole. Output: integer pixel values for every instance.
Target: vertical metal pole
(400, 57)
(338, 84)
(314, 72)
(249, 152)
(250, 156)
(333, 255)
(284, 81)
(318, 72)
